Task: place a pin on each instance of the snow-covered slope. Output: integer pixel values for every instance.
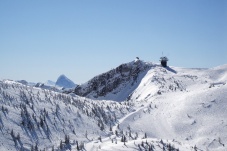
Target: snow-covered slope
(116, 84)
(65, 82)
(154, 108)
(31, 117)
(187, 105)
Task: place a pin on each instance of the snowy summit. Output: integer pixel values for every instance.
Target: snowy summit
(65, 82)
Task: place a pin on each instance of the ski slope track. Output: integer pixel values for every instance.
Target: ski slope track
(136, 106)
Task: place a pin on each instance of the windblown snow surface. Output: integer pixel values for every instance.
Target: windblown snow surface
(156, 108)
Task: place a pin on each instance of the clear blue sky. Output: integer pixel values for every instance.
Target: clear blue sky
(41, 39)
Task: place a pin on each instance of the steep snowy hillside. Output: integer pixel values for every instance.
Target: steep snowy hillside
(65, 82)
(32, 118)
(116, 84)
(186, 105)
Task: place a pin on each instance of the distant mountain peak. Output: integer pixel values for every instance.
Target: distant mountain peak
(65, 82)
(50, 83)
(62, 76)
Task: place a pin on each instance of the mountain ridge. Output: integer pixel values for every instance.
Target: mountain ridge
(122, 76)
(152, 108)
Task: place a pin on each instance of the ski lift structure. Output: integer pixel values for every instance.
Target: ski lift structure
(163, 61)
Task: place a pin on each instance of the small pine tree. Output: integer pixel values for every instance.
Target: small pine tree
(77, 145)
(61, 145)
(18, 136)
(195, 148)
(142, 144)
(82, 145)
(12, 133)
(149, 148)
(67, 139)
(161, 142)
(122, 138)
(145, 135)
(32, 148)
(110, 128)
(136, 135)
(116, 132)
(36, 147)
(100, 138)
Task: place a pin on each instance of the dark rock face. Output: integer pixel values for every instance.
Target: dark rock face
(111, 80)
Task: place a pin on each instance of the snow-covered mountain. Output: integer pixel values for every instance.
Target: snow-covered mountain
(65, 82)
(136, 106)
(120, 83)
(116, 84)
(50, 83)
(180, 103)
